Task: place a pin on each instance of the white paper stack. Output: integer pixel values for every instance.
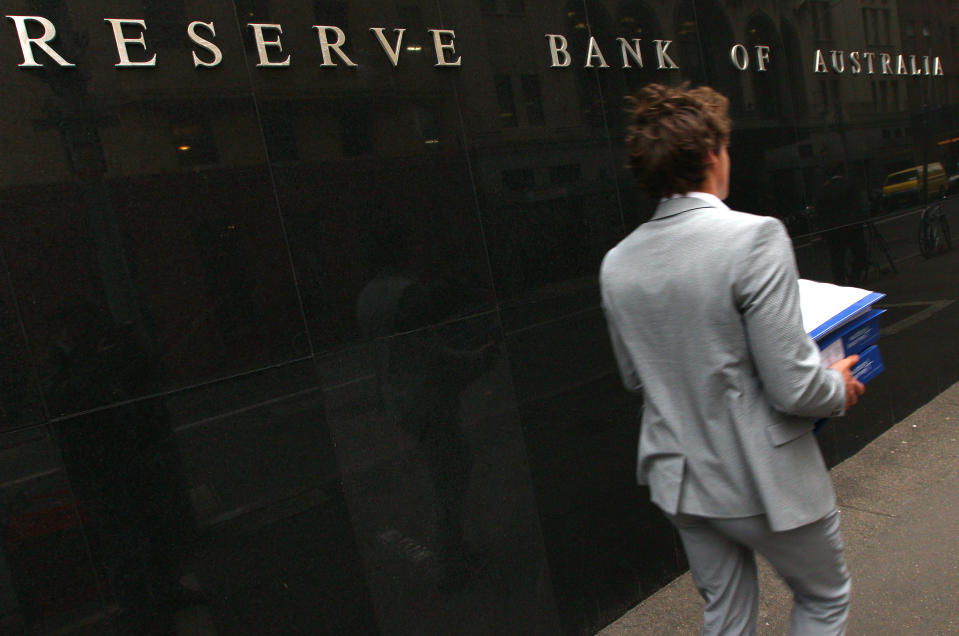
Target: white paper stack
(843, 322)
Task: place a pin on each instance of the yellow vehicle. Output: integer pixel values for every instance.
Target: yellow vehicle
(904, 186)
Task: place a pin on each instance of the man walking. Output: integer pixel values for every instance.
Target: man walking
(703, 310)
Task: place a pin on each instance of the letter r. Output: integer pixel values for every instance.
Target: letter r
(27, 43)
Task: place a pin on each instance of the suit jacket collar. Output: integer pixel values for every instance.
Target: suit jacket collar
(678, 205)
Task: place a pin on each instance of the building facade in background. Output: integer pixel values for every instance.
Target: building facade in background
(299, 307)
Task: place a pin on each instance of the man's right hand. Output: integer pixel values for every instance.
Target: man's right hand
(854, 388)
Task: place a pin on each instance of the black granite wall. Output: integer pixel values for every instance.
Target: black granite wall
(317, 349)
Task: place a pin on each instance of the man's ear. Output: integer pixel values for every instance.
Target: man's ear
(712, 158)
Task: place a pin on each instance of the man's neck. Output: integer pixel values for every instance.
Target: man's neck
(709, 186)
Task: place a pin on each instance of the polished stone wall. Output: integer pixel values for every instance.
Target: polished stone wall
(318, 349)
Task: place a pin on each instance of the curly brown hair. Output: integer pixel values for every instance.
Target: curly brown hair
(671, 129)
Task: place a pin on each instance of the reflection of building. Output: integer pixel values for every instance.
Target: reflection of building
(519, 103)
(534, 142)
(187, 200)
(933, 30)
(791, 120)
(928, 30)
(794, 120)
(851, 119)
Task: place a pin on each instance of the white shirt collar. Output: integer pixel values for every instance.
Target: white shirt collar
(711, 199)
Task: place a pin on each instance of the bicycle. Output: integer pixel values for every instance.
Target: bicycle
(876, 245)
(934, 233)
(866, 256)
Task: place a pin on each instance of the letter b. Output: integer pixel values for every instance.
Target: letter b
(557, 51)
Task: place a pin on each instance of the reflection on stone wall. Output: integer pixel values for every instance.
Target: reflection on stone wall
(319, 348)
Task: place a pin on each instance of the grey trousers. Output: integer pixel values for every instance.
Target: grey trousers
(723, 566)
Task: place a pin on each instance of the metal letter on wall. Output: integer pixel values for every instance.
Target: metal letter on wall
(558, 53)
(123, 41)
(631, 51)
(392, 53)
(855, 65)
(662, 57)
(820, 63)
(43, 42)
(838, 61)
(595, 52)
(262, 43)
(886, 62)
(901, 65)
(739, 57)
(442, 47)
(209, 46)
(762, 56)
(326, 46)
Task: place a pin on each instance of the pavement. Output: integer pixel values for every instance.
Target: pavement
(899, 501)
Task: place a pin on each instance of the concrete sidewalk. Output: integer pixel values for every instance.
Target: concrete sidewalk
(899, 499)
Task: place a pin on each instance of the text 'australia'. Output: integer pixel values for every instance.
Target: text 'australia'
(872, 63)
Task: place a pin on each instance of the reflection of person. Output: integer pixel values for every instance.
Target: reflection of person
(122, 462)
(703, 311)
(839, 204)
(422, 370)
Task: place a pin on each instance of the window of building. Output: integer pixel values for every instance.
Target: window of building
(822, 19)
(533, 96)
(331, 13)
(227, 276)
(279, 132)
(252, 10)
(167, 24)
(824, 94)
(519, 179)
(193, 140)
(355, 133)
(411, 17)
(505, 101)
(516, 6)
(909, 35)
(870, 24)
(428, 122)
(877, 25)
(569, 173)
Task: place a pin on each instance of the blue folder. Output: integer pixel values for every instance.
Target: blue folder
(857, 307)
(869, 365)
(858, 335)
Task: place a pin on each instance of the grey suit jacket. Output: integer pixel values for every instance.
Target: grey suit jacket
(703, 311)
